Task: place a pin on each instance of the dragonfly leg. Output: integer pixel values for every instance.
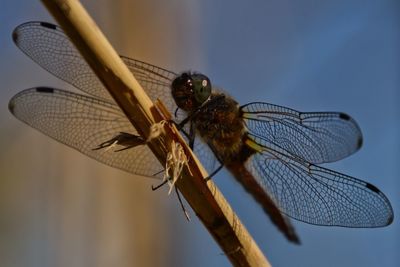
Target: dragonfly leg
(185, 133)
(178, 195)
(182, 205)
(194, 113)
(214, 172)
(192, 135)
(154, 188)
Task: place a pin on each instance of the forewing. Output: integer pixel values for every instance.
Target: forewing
(317, 195)
(155, 81)
(48, 46)
(317, 137)
(83, 123)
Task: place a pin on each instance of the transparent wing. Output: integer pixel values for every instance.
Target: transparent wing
(205, 155)
(320, 196)
(154, 80)
(83, 122)
(317, 137)
(48, 46)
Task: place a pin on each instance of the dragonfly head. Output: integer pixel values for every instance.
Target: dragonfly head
(190, 90)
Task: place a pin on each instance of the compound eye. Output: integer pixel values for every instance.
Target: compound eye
(182, 91)
(201, 87)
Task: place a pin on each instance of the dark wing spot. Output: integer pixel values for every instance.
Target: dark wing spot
(44, 90)
(48, 25)
(390, 220)
(376, 190)
(372, 187)
(359, 142)
(344, 116)
(15, 36)
(11, 106)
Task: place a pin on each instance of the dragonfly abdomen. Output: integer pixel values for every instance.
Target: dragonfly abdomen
(250, 184)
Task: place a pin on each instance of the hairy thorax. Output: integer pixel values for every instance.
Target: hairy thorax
(221, 126)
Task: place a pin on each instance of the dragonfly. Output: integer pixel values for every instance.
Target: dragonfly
(274, 152)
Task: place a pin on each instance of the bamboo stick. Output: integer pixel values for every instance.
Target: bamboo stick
(204, 197)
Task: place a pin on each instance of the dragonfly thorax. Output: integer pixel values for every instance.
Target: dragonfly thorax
(190, 90)
(221, 126)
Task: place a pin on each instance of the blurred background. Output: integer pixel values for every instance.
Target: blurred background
(60, 208)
